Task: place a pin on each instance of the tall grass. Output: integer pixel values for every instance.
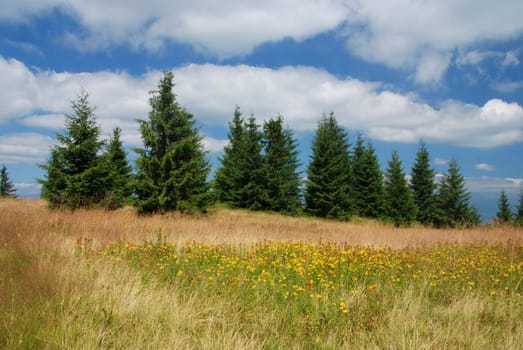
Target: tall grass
(54, 295)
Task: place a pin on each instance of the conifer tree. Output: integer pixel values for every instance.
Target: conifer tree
(76, 174)
(7, 188)
(357, 167)
(282, 179)
(504, 213)
(423, 186)
(518, 215)
(55, 184)
(399, 205)
(231, 176)
(327, 192)
(253, 195)
(119, 178)
(453, 208)
(367, 181)
(171, 168)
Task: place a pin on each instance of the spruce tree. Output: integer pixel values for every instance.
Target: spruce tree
(423, 186)
(327, 191)
(367, 181)
(55, 184)
(171, 168)
(76, 174)
(453, 208)
(231, 176)
(399, 205)
(253, 195)
(282, 179)
(7, 188)
(504, 213)
(119, 178)
(357, 167)
(518, 215)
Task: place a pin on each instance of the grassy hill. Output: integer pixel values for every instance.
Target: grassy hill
(234, 279)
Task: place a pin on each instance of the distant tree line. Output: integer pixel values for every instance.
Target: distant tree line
(259, 170)
(7, 188)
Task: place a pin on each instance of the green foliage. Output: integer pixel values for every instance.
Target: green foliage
(76, 174)
(231, 176)
(253, 193)
(423, 186)
(504, 213)
(453, 208)
(119, 179)
(321, 296)
(518, 215)
(367, 181)
(171, 168)
(327, 192)
(280, 167)
(259, 168)
(7, 188)
(400, 207)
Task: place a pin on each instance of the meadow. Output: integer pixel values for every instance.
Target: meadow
(92, 279)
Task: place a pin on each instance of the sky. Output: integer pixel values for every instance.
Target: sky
(447, 72)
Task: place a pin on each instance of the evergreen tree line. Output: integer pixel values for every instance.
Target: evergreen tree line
(505, 214)
(170, 172)
(258, 170)
(341, 181)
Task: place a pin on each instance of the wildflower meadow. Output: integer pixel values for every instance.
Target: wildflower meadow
(93, 279)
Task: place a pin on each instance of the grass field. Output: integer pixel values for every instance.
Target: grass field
(92, 279)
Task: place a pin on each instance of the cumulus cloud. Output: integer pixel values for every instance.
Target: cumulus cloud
(418, 28)
(213, 145)
(46, 121)
(24, 148)
(420, 36)
(431, 67)
(225, 28)
(485, 167)
(300, 94)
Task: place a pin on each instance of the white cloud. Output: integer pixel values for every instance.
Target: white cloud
(24, 46)
(485, 167)
(46, 121)
(431, 67)
(300, 94)
(507, 87)
(487, 184)
(24, 148)
(28, 190)
(16, 99)
(510, 59)
(440, 161)
(475, 57)
(400, 33)
(222, 28)
(213, 145)
(514, 182)
(419, 36)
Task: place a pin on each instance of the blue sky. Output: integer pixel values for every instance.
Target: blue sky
(448, 72)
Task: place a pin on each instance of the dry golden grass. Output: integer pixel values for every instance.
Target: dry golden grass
(52, 298)
(30, 217)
